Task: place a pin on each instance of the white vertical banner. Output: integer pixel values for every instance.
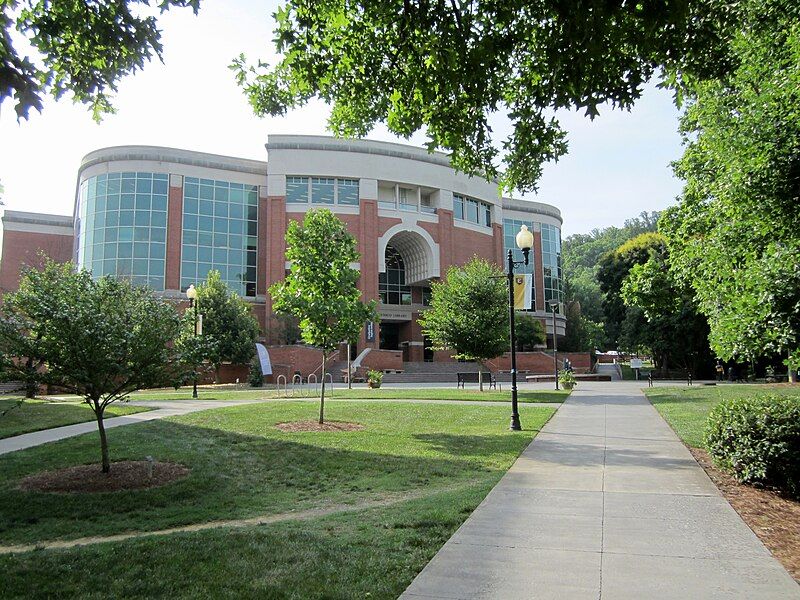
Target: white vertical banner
(263, 358)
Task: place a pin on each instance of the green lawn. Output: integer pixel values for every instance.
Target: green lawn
(452, 394)
(446, 457)
(35, 415)
(242, 466)
(686, 408)
(361, 393)
(374, 554)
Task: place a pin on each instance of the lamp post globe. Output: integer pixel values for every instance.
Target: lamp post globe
(191, 294)
(524, 241)
(554, 305)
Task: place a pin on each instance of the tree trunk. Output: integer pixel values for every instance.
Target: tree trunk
(349, 369)
(98, 411)
(322, 394)
(480, 376)
(31, 386)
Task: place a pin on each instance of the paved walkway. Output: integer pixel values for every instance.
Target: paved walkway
(163, 409)
(605, 503)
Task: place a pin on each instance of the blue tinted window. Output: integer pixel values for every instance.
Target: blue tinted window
(297, 189)
(116, 209)
(347, 191)
(213, 225)
(322, 190)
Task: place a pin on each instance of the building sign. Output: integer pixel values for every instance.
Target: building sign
(370, 331)
(389, 312)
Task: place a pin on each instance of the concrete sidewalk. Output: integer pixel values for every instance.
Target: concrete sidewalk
(162, 410)
(605, 503)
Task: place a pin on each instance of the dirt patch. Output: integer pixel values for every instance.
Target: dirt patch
(124, 475)
(299, 426)
(773, 517)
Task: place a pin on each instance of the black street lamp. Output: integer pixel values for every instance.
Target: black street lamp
(554, 304)
(191, 293)
(524, 243)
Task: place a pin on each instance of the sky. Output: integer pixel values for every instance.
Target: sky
(617, 165)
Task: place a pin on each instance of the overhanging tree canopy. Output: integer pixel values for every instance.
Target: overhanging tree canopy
(446, 67)
(735, 237)
(84, 48)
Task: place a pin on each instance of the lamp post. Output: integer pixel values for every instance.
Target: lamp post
(191, 293)
(554, 304)
(524, 243)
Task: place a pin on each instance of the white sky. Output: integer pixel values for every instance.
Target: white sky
(617, 166)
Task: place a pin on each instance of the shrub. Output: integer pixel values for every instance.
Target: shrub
(256, 377)
(758, 440)
(567, 379)
(375, 378)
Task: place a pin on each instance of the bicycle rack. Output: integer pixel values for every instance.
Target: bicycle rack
(314, 382)
(285, 385)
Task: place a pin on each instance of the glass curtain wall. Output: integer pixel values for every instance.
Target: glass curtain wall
(220, 232)
(392, 286)
(551, 263)
(123, 226)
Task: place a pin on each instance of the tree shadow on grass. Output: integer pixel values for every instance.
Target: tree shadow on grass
(472, 445)
(232, 476)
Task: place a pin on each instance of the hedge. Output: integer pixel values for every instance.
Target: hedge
(758, 440)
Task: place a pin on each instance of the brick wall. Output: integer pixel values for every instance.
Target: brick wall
(542, 362)
(22, 249)
(286, 360)
(381, 360)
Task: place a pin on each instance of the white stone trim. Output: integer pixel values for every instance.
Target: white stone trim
(420, 253)
(276, 185)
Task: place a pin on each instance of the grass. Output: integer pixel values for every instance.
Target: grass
(686, 409)
(35, 415)
(361, 393)
(447, 456)
(375, 554)
(242, 466)
(452, 394)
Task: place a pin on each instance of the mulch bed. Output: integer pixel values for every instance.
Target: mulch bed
(773, 517)
(299, 426)
(124, 475)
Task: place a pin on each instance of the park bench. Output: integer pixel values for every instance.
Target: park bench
(488, 378)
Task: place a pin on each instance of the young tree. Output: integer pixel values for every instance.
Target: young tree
(229, 328)
(529, 332)
(612, 270)
(84, 48)
(469, 313)
(662, 317)
(100, 339)
(321, 289)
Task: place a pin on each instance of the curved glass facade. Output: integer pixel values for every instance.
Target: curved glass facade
(220, 232)
(392, 284)
(122, 227)
(551, 263)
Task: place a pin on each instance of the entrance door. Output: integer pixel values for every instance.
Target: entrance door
(390, 336)
(427, 351)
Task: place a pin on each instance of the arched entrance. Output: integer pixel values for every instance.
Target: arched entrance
(408, 260)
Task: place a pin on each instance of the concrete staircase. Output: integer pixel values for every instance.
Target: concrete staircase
(609, 369)
(435, 372)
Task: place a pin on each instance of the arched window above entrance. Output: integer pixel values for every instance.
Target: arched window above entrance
(392, 284)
